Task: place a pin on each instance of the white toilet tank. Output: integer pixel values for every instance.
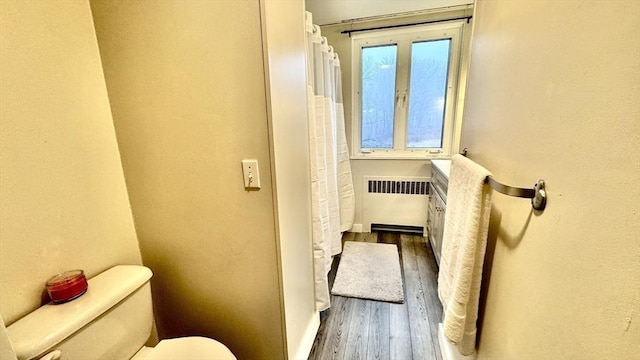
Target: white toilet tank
(112, 320)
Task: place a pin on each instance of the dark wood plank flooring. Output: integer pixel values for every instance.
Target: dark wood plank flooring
(366, 329)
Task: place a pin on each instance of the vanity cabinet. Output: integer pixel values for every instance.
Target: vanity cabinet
(437, 205)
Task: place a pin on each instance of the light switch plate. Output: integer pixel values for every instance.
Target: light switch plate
(251, 174)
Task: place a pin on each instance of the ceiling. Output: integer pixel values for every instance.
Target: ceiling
(335, 11)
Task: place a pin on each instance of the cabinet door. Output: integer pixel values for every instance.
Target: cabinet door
(440, 209)
(431, 216)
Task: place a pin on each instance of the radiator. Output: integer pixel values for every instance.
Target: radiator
(395, 203)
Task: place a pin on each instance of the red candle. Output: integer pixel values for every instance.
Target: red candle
(67, 286)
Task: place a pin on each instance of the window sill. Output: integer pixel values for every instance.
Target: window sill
(399, 155)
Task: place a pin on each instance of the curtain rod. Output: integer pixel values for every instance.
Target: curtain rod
(405, 25)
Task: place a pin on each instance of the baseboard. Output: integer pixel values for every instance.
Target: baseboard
(304, 349)
(450, 351)
(356, 228)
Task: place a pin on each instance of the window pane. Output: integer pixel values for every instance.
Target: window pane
(427, 93)
(378, 91)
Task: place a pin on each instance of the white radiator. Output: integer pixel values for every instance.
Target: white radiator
(395, 203)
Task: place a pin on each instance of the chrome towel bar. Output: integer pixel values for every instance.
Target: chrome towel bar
(538, 194)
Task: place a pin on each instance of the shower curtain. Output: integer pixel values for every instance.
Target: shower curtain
(332, 194)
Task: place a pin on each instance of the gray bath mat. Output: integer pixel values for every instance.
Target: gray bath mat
(369, 271)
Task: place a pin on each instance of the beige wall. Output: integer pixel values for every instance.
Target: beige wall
(63, 200)
(187, 90)
(553, 94)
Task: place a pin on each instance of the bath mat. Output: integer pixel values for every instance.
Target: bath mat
(369, 271)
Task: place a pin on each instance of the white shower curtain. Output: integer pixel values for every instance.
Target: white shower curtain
(332, 195)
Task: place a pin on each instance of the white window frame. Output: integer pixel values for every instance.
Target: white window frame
(404, 37)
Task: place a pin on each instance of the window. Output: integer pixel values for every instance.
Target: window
(405, 91)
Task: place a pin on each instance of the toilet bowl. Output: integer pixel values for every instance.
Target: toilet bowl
(112, 320)
(193, 347)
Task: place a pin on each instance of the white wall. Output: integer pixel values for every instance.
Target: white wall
(63, 200)
(553, 94)
(285, 67)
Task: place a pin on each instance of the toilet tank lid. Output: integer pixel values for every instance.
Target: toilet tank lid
(52, 323)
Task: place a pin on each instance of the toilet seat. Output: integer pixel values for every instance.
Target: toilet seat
(188, 348)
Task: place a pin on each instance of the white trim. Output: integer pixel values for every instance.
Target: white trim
(285, 83)
(404, 37)
(306, 344)
(463, 74)
(417, 154)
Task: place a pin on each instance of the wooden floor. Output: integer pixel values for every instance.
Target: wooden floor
(366, 329)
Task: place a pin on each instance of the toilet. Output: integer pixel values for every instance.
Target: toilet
(112, 320)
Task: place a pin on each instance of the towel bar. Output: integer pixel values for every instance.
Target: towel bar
(538, 194)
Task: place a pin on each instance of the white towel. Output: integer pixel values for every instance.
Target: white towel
(463, 248)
